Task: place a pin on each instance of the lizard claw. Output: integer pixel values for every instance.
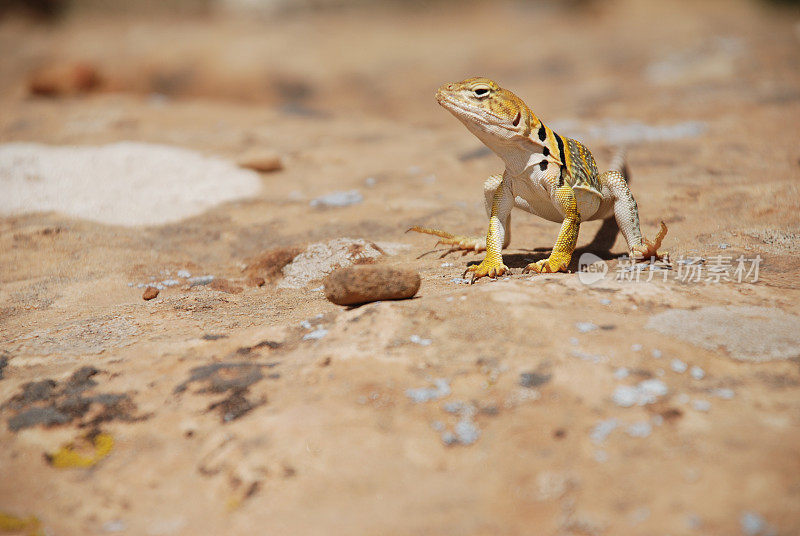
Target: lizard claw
(493, 269)
(649, 250)
(552, 264)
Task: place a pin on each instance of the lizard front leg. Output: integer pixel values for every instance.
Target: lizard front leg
(466, 244)
(492, 265)
(627, 215)
(567, 237)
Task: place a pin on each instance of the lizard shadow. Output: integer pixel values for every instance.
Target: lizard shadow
(600, 245)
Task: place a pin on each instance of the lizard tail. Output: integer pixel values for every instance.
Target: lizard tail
(620, 163)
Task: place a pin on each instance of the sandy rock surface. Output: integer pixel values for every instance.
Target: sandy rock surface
(241, 401)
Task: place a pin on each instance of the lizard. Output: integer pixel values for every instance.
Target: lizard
(546, 174)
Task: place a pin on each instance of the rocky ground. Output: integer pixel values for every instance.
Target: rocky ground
(645, 403)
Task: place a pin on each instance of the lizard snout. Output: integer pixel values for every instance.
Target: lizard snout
(443, 92)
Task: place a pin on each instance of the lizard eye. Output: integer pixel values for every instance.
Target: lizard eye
(481, 92)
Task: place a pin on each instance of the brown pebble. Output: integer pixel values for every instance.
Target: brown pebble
(256, 281)
(64, 79)
(264, 162)
(150, 293)
(366, 283)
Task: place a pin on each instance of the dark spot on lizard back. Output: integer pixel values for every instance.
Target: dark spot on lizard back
(546, 151)
(543, 165)
(542, 133)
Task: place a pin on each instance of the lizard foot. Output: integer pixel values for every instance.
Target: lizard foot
(464, 244)
(488, 268)
(552, 264)
(649, 250)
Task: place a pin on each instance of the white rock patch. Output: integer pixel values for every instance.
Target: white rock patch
(321, 258)
(124, 183)
(747, 333)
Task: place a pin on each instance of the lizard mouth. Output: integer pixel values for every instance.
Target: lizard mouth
(478, 115)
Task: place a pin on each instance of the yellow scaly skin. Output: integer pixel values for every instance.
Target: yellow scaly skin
(546, 174)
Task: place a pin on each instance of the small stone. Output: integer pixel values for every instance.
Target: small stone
(338, 199)
(315, 335)
(455, 406)
(150, 293)
(263, 161)
(416, 339)
(200, 280)
(184, 274)
(602, 430)
(701, 405)
(625, 396)
(752, 523)
(646, 392)
(678, 366)
(425, 394)
(114, 526)
(621, 373)
(533, 379)
(636, 347)
(651, 389)
(366, 283)
(725, 394)
(656, 353)
(255, 281)
(697, 373)
(466, 431)
(585, 327)
(639, 429)
(3, 364)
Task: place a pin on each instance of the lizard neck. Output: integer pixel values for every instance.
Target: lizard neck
(518, 154)
(519, 157)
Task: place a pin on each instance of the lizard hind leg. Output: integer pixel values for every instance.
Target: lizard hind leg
(626, 213)
(649, 250)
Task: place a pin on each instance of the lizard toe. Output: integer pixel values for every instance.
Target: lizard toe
(648, 250)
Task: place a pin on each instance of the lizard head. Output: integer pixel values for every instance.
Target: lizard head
(495, 115)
